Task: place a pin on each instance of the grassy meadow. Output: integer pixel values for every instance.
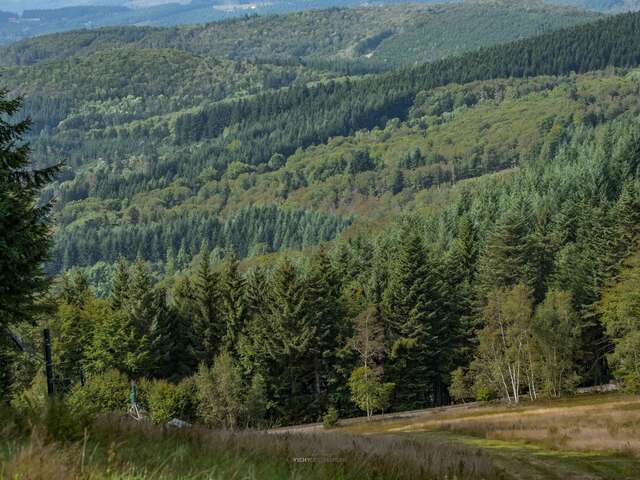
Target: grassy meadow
(116, 447)
(584, 437)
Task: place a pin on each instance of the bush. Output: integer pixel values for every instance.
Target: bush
(482, 393)
(368, 392)
(459, 387)
(256, 403)
(63, 423)
(330, 418)
(165, 401)
(188, 402)
(219, 392)
(31, 403)
(106, 392)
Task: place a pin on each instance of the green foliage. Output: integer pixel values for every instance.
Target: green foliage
(105, 392)
(368, 392)
(413, 289)
(25, 233)
(125, 195)
(164, 401)
(64, 423)
(321, 37)
(518, 203)
(331, 418)
(556, 333)
(620, 308)
(257, 401)
(410, 312)
(219, 391)
(31, 402)
(459, 387)
(483, 393)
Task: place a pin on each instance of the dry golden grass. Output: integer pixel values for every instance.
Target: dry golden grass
(600, 423)
(117, 447)
(35, 460)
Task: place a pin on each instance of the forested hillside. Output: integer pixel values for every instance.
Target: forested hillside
(214, 160)
(50, 18)
(268, 241)
(379, 37)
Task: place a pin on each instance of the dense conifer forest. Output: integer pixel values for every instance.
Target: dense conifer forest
(531, 18)
(270, 241)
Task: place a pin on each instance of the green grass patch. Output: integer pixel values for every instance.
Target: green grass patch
(521, 457)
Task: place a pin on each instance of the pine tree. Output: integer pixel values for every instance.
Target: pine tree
(75, 288)
(120, 284)
(290, 337)
(233, 302)
(208, 324)
(257, 292)
(182, 259)
(256, 402)
(397, 183)
(327, 318)
(627, 216)
(505, 261)
(24, 232)
(73, 327)
(410, 312)
(463, 256)
(141, 310)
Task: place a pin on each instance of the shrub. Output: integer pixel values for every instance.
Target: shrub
(330, 418)
(31, 403)
(482, 393)
(188, 401)
(368, 392)
(63, 423)
(106, 392)
(459, 388)
(256, 402)
(165, 401)
(220, 392)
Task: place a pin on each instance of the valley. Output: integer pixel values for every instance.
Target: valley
(394, 241)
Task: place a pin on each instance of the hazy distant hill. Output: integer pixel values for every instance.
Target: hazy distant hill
(43, 17)
(372, 37)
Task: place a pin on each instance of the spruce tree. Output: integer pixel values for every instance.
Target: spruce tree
(233, 302)
(627, 216)
(290, 337)
(410, 311)
(171, 340)
(120, 284)
(24, 228)
(73, 327)
(327, 318)
(505, 260)
(141, 311)
(208, 321)
(458, 294)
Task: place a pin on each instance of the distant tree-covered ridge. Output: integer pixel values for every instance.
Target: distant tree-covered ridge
(375, 37)
(167, 149)
(244, 150)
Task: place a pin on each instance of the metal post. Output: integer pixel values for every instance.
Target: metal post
(48, 361)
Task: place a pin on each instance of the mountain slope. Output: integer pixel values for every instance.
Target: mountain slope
(157, 164)
(404, 34)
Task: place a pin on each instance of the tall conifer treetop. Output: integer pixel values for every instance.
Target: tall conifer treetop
(24, 232)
